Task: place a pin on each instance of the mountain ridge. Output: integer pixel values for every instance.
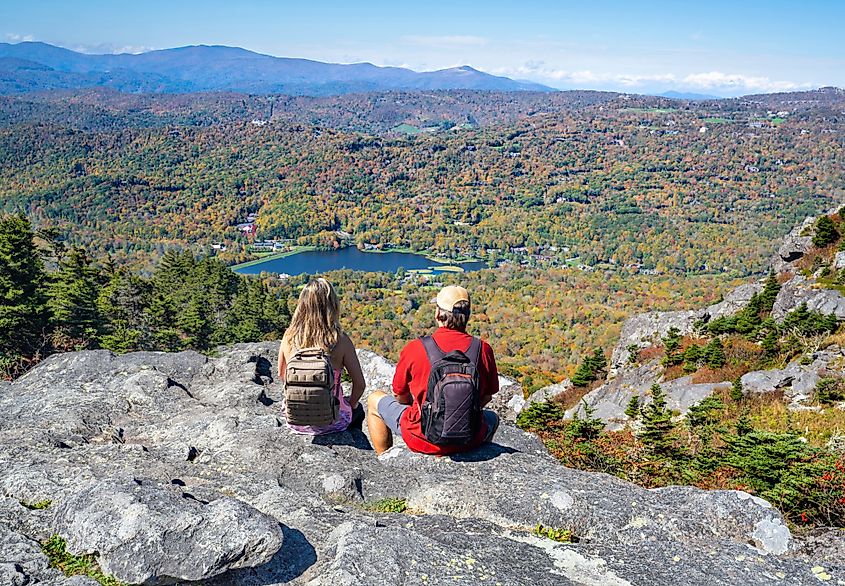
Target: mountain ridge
(201, 68)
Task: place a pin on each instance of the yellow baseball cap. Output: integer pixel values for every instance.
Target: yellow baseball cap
(449, 296)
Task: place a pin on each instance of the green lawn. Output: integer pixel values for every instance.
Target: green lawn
(265, 256)
(406, 129)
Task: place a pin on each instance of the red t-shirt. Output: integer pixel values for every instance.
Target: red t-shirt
(412, 377)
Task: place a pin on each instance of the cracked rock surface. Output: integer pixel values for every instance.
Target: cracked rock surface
(177, 467)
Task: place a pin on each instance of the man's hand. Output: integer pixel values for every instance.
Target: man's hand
(406, 399)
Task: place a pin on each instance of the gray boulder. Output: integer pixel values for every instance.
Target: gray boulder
(734, 302)
(766, 381)
(799, 290)
(509, 401)
(646, 329)
(549, 392)
(610, 400)
(797, 381)
(794, 246)
(146, 534)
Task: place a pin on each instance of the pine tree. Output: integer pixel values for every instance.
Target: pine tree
(736, 390)
(161, 319)
(691, 357)
(743, 423)
(588, 370)
(770, 343)
(73, 298)
(585, 428)
(656, 433)
(826, 232)
(702, 419)
(672, 341)
(771, 288)
(704, 413)
(714, 354)
(671, 344)
(598, 361)
(24, 313)
(254, 314)
(540, 416)
(633, 408)
(123, 304)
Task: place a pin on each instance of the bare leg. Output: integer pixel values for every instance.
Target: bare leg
(380, 435)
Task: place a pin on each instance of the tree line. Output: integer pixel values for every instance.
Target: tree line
(186, 303)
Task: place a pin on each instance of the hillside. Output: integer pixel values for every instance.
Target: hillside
(604, 179)
(747, 393)
(30, 66)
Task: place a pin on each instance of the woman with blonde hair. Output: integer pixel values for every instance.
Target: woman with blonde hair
(316, 324)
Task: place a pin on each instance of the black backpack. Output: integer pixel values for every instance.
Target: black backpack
(451, 412)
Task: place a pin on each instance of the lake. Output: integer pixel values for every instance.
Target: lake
(321, 261)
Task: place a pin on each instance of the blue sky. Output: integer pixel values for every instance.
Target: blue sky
(712, 47)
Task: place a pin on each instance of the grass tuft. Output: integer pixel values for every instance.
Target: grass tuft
(553, 533)
(387, 505)
(37, 505)
(55, 548)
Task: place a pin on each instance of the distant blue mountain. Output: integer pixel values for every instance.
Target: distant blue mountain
(33, 66)
(688, 96)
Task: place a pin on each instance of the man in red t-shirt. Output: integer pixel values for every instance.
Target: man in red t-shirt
(400, 412)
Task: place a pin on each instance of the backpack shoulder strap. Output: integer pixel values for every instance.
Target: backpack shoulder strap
(309, 352)
(474, 351)
(431, 349)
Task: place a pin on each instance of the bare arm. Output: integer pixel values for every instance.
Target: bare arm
(283, 348)
(353, 367)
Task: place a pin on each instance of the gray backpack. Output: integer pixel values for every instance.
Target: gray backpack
(451, 411)
(309, 388)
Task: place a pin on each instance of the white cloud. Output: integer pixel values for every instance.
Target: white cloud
(17, 38)
(719, 80)
(538, 70)
(714, 81)
(110, 48)
(445, 41)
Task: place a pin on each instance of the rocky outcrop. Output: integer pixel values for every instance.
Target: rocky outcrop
(180, 467)
(796, 381)
(794, 246)
(733, 302)
(549, 392)
(646, 329)
(144, 532)
(799, 290)
(610, 400)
